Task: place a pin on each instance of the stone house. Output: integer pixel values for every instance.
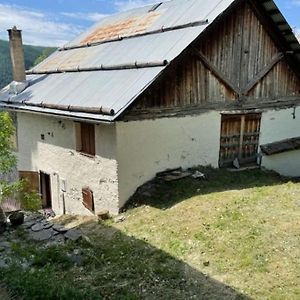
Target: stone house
(176, 84)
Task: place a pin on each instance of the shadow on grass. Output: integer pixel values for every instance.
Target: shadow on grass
(123, 267)
(115, 266)
(163, 195)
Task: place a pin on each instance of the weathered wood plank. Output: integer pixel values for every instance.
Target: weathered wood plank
(262, 73)
(216, 71)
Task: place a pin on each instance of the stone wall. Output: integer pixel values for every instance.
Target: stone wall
(48, 144)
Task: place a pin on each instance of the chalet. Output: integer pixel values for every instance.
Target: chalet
(177, 84)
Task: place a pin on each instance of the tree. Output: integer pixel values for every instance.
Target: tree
(7, 158)
(28, 199)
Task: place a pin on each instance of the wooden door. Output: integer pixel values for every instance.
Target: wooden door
(45, 184)
(239, 139)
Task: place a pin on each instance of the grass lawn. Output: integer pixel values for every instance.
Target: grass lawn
(232, 236)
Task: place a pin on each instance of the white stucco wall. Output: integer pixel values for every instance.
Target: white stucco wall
(150, 146)
(278, 125)
(56, 155)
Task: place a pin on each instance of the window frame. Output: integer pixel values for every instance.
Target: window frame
(86, 139)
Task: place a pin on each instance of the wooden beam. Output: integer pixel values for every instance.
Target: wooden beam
(241, 137)
(260, 75)
(209, 65)
(274, 32)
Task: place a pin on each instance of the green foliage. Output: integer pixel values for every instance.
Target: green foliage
(51, 256)
(45, 53)
(18, 189)
(31, 201)
(32, 54)
(7, 158)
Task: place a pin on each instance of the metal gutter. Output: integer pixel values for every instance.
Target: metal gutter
(59, 115)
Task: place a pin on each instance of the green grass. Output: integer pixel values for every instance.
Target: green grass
(233, 236)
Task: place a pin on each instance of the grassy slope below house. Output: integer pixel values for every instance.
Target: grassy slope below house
(33, 55)
(234, 236)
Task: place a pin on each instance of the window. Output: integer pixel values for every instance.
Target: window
(85, 138)
(88, 199)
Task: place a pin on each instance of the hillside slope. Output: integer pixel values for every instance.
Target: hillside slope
(33, 54)
(235, 235)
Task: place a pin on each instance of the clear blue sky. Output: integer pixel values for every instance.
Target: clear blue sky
(53, 22)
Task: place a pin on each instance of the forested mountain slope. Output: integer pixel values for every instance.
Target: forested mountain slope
(33, 55)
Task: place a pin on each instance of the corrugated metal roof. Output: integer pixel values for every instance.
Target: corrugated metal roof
(159, 47)
(108, 89)
(129, 38)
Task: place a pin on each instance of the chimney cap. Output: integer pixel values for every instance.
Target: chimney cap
(14, 28)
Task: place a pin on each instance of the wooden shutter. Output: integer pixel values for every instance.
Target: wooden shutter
(88, 199)
(88, 138)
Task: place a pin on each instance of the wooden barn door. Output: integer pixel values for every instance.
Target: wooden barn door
(239, 139)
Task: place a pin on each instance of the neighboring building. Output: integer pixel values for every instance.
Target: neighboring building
(178, 84)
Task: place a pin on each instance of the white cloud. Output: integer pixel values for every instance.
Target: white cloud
(122, 5)
(84, 16)
(38, 28)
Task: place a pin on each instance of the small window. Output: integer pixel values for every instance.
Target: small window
(85, 138)
(88, 199)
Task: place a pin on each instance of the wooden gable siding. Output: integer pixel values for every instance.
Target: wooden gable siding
(221, 66)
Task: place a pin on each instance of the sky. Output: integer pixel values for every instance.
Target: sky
(54, 22)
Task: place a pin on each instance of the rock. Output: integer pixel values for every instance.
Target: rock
(2, 221)
(28, 224)
(3, 264)
(25, 265)
(198, 175)
(42, 235)
(73, 235)
(16, 218)
(119, 219)
(4, 246)
(236, 163)
(206, 263)
(58, 239)
(59, 228)
(37, 227)
(47, 225)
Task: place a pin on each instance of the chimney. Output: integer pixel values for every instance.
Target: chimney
(17, 54)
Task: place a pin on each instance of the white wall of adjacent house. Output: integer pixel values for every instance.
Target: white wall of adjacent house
(150, 146)
(69, 170)
(278, 125)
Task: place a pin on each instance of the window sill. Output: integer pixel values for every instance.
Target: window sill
(86, 154)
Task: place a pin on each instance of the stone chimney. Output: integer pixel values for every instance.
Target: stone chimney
(17, 54)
